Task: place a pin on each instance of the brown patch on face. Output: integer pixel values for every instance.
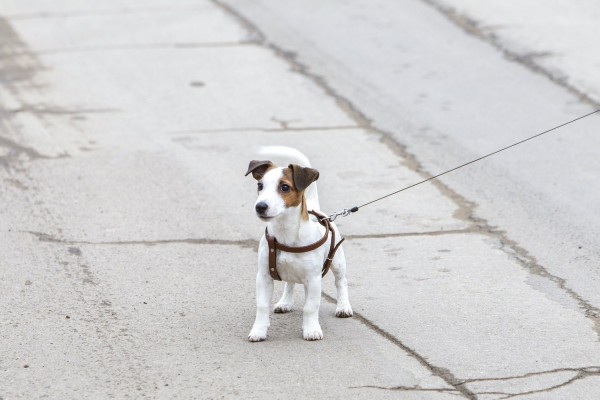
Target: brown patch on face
(303, 209)
(293, 197)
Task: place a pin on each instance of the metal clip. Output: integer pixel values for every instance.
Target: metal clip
(344, 213)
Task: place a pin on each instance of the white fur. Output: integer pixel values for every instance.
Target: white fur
(287, 225)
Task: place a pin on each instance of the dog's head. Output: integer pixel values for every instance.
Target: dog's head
(280, 189)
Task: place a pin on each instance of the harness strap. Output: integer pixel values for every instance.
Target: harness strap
(310, 247)
(272, 256)
(274, 246)
(330, 256)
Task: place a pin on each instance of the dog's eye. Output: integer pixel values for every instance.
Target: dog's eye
(260, 186)
(285, 188)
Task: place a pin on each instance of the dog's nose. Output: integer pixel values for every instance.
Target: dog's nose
(261, 207)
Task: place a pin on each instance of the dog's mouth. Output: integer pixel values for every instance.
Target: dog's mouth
(265, 218)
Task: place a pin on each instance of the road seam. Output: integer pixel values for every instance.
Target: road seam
(442, 373)
(254, 129)
(149, 46)
(44, 237)
(581, 373)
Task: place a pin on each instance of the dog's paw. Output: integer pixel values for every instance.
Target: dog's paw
(314, 333)
(257, 335)
(281, 308)
(343, 311)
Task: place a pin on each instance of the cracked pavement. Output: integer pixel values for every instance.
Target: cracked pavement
(127, 231)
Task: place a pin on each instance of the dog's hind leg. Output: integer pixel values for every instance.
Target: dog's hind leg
(338, 267)
(286, 302)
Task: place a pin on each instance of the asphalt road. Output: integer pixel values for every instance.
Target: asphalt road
(127, 234)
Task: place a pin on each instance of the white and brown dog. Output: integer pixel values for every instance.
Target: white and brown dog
(285, 196)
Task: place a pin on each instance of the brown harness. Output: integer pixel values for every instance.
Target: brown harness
(274, 246)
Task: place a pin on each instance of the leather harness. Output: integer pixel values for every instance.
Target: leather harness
(274, 246)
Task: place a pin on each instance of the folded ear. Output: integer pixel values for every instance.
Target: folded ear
(259, 168)
(303, 176)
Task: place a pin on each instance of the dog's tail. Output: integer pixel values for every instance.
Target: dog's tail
(284, 155)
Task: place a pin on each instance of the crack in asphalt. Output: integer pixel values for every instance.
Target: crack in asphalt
(262, 129)
(581, 373)
(254, 34)
(408, 389)
(44, 237)
(528, 60)
(442, 373)
(149, 46)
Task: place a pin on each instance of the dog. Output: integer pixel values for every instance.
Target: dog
(288, 202)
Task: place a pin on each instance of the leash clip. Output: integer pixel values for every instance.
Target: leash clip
(344, 213)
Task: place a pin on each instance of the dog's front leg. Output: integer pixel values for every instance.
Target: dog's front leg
(264, 294)
(310, 324)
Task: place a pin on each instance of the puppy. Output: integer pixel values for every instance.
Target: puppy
(285, 197)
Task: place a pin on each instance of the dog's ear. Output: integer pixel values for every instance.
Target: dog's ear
(258, 168)
(303, 176)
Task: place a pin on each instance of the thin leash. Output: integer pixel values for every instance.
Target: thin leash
(347, 211)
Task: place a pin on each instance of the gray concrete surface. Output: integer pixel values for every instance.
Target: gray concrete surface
(557, 39)
(126, 224)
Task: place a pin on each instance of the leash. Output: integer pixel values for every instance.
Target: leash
(347, 211)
